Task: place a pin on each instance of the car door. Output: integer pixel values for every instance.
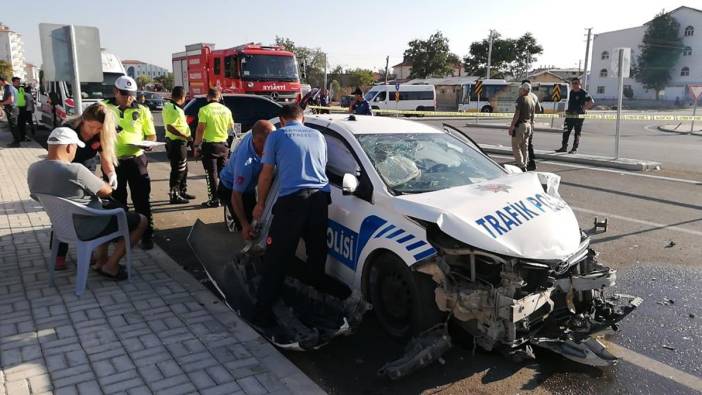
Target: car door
(347, 212)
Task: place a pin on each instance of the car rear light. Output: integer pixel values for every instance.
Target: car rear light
(189, 119)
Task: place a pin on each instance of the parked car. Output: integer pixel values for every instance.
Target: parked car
(151, 100)
(412, 97)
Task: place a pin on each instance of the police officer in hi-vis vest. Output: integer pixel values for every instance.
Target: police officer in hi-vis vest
(134, 125)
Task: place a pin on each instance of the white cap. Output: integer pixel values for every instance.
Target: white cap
(126, 83)
(526, 86)
(64, 136)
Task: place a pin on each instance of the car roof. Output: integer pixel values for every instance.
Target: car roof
(366, 124)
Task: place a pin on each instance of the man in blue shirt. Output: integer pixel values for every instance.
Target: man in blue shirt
(301, 210)
(360, 106)
(238, 179)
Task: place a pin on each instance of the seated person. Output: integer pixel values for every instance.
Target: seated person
(237, 187)
(57, 176)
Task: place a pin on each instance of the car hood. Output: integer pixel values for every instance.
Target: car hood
(511, 215)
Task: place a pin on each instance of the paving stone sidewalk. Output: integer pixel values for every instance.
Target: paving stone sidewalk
(162, 333)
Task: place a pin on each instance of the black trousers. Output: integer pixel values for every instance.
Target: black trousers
(22, 118)
(12, 114)
(301, 215)
(568, 126)
(531, 163)
(249, 200)
(177, 152)
(213, 157)
(134, 172)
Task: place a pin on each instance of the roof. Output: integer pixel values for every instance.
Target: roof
(404, 63)
(647, 22)
(132, 61)
(443, 81)
(364, 124)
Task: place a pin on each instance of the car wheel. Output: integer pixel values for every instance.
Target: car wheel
(486, 109)
(403, 300)
(229, 221)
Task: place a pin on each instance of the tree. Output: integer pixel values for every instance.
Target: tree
(360, 78)
(660, 49)
(429, 57)
(509, 56)
(143, 80)
(166, 81)
(5, 69)
(310, 61)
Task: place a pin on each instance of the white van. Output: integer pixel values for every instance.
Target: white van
(412, 97)
(56, 97)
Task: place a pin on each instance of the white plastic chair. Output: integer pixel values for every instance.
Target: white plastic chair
(61, 212)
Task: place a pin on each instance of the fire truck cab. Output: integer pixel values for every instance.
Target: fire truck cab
(268, 71)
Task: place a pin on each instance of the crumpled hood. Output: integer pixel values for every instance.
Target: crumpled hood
(511, 215)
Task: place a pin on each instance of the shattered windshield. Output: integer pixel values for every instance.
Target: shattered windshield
(426, 162)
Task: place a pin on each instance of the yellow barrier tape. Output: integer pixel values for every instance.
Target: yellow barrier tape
(505, 115)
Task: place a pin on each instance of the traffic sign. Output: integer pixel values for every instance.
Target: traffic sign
(695, 90)
(478, 88)
(556, 94)
(397, 86)
(614, 62)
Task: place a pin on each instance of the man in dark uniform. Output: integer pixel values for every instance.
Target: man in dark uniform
(134, 125)
(360, 105)
(538, 109)
(578, 102)
(301, 211)
(214, 123)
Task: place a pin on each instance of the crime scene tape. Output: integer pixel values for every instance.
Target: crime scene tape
(507, 115)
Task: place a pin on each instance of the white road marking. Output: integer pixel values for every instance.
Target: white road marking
(638, 221)
(653, 366)
(622, 172)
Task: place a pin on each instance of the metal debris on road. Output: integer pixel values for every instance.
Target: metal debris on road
(670, 244)
(669, 348)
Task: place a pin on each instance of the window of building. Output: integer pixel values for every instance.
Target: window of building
(605, 55)
(687, 51)
(685, 72)
(217, 65)
(689, 31)
(600, 90)
(603, 73)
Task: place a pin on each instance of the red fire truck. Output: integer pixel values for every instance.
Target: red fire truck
(250, 68)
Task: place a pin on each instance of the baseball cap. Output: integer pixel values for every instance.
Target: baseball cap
(64, 136)
(126, 85)
(526, 86)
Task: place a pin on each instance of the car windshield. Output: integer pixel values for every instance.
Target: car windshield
(269, 68)
(426, 162)
(96, 90)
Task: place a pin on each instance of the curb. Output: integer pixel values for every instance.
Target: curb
(667, 129)
(504, 127)
(592, 160)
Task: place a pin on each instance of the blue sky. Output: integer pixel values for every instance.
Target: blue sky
(356, 33)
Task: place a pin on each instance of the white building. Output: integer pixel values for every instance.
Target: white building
(135, 68)
(31, 75)
(12, 51)
(602, 82)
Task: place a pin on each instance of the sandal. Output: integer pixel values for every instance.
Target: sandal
(120, 276)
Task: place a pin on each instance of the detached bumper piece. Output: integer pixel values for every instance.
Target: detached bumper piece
(420, 352)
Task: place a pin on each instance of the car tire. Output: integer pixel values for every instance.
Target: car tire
(403, 301)
(486, 109)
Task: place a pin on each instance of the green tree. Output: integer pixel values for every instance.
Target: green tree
(660, 49)
(429, 57)
(166, 81)
(310, 61)
(5, 69)
(509, 56)
(362, 78)
(143, 80)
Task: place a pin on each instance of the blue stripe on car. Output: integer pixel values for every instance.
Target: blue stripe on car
(416, 245)
(385, 230)
(406, 238)
(395, 233)
(425, 254)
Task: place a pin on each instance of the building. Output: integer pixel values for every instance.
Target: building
(449, 90)
(136, 68)
(12, 51)
(602, 82)
(31, 76)
(552, 74)
(402, 71)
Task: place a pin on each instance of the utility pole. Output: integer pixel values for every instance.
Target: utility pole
(325, 70)
(387, 90)
(489, 59)
(587, 57)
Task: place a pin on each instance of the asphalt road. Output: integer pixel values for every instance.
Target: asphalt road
(639, 140)
(646, 213)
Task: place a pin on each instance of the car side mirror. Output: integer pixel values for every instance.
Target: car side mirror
(349, 184)
(512, 169)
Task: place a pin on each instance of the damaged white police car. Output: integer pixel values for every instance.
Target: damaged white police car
(429, 228)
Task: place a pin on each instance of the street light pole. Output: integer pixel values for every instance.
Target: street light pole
(587, 57)
(489, 59)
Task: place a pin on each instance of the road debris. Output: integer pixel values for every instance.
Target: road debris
(670, 244)
(669, 347)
